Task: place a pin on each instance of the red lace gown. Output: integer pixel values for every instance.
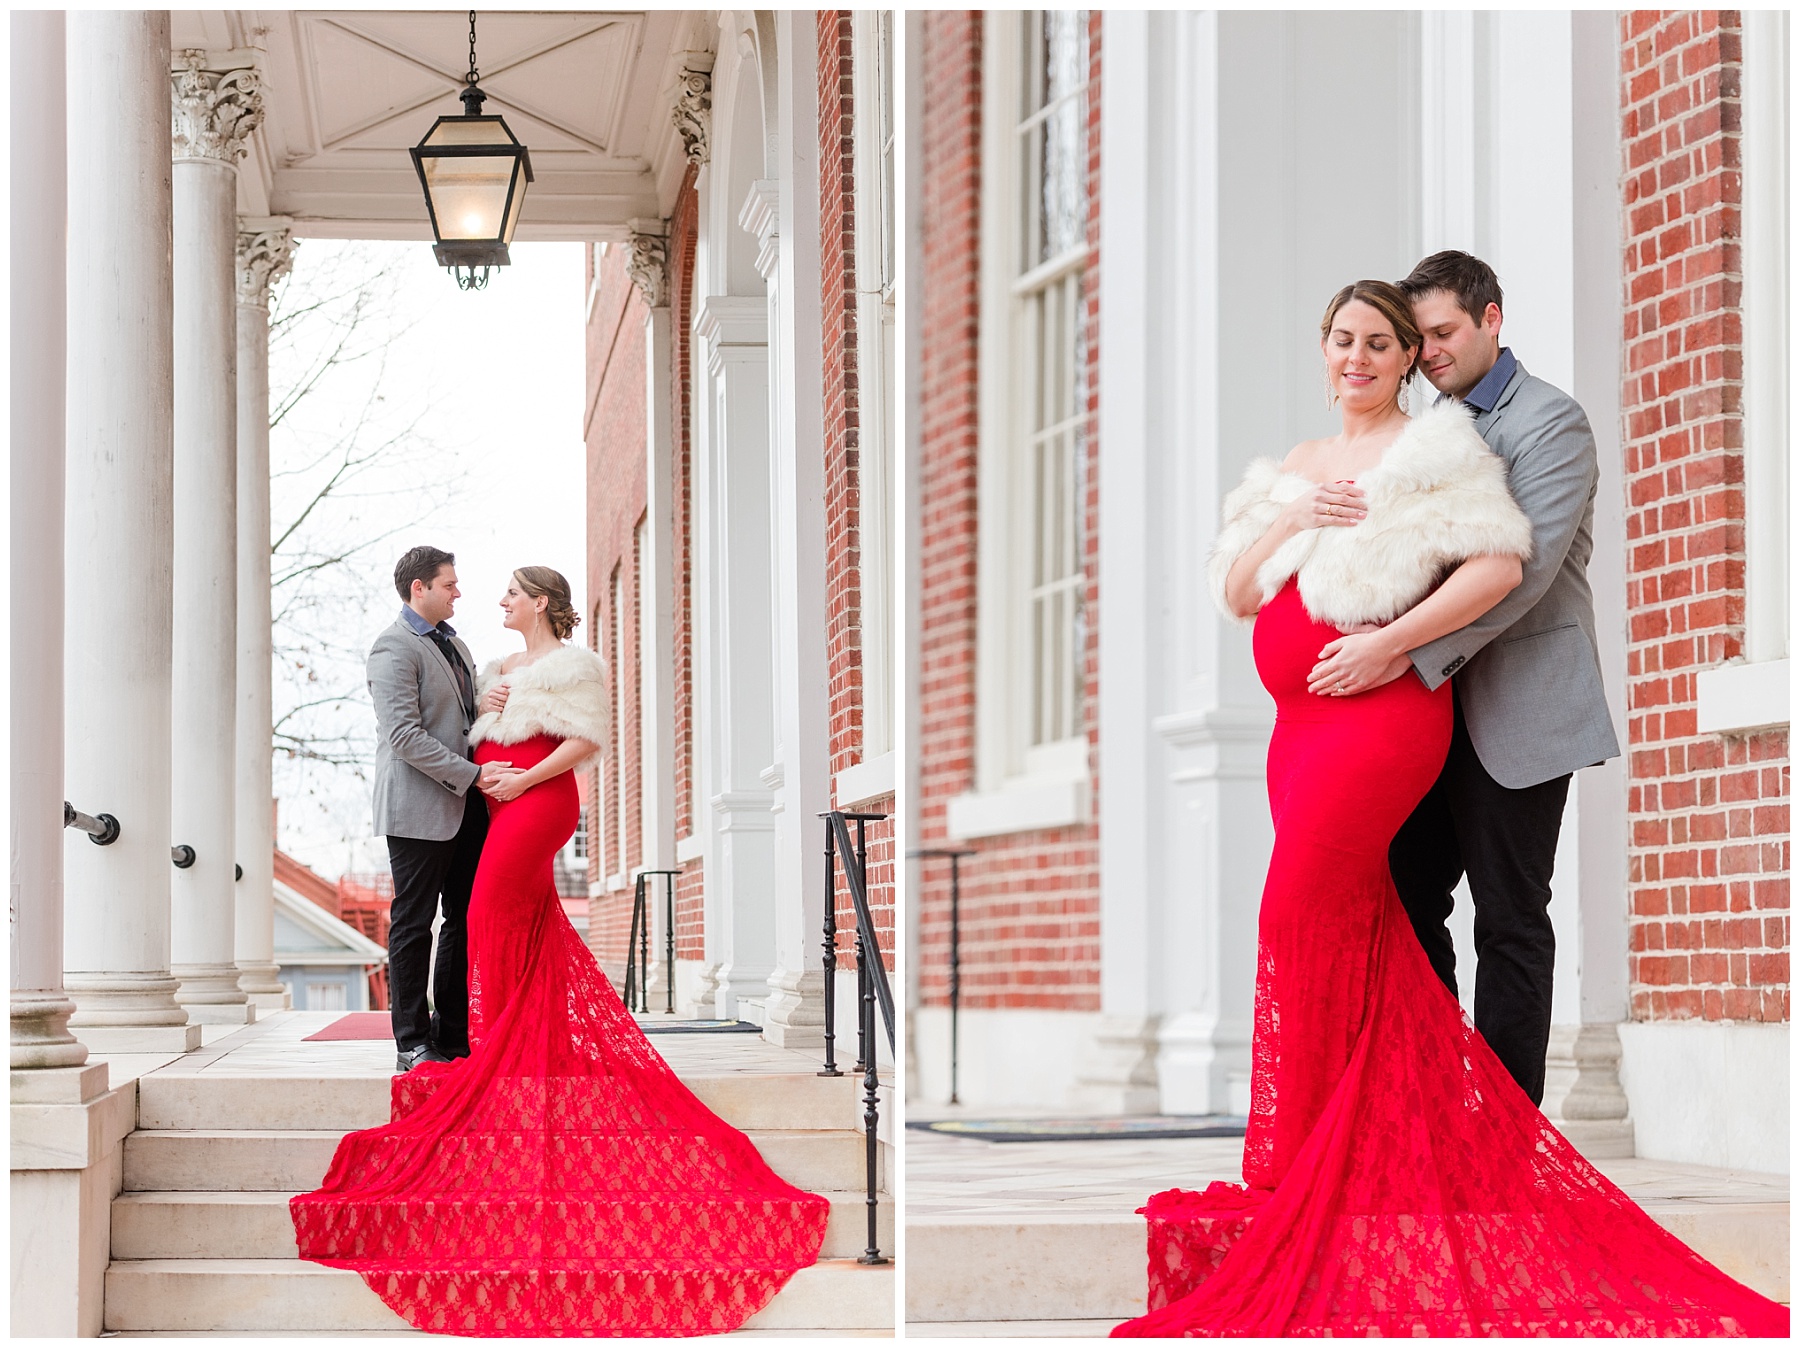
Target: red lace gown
(1398, 1182)
(560, 1179)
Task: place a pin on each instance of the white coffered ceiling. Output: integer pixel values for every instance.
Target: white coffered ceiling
(348, 92)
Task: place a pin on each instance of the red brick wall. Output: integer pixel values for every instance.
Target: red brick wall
(843, 575)
(1708, 813)
(690, 929)
(615, 430)
(1030, 901)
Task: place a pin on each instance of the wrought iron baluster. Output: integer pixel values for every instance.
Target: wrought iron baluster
(830, 954)
(642, 903)
(955, 855)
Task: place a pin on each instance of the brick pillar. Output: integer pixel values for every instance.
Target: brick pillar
(1708, 813)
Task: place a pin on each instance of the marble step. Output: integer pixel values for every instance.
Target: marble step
(254, 1224)
(1092, 1266)
(228, 1100)
(250, 1295)
(294, 1160)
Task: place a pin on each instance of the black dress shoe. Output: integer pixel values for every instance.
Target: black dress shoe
(412, 1057)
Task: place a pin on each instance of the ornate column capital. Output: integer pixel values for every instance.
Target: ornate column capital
(216, 103)
(647, 264)
(265, 253)
(692, 114)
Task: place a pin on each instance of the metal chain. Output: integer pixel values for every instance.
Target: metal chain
(474, 74)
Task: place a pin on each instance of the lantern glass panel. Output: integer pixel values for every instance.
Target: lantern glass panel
(469, 192)
(518, 200)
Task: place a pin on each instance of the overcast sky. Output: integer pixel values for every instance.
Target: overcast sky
(496, 379)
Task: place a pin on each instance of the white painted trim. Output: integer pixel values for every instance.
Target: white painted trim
(862, 782)
(1026, 1059)
(690, 848)
(872, 47)
(1742, 696)
(1021, 804)
(307, 915)
(1767, 351)
(1708, 1092)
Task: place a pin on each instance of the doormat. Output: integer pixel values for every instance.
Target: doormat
(1142, 1128)
(699, 1027)
(357, 1025)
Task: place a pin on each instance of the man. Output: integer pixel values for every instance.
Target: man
(423, 683)
(1530, 707)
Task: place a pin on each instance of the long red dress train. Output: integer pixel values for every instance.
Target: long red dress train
(1398, 1181)
(561, 1179)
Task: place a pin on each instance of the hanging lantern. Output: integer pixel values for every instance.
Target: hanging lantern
(474, 172)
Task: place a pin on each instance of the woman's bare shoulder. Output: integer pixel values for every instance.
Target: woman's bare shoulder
(1302, 455)
(511, 662)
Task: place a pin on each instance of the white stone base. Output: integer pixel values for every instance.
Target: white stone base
(845, 1010)
(796, 1011)
(239, 1013)
(139, 1038)
(1118, 1071)
(1709, 1093)
(272, 1001)
(1024, 1059)
(66, 1170)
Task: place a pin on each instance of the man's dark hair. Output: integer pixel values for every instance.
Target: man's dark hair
(421, 564)
(1468, 278)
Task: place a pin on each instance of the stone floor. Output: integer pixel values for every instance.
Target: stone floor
(1071, 1202)
(276, 1046)
(955, 1176)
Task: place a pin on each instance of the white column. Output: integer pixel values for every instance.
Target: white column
(40, 1010)
(648, 266)
(802, 709)
(736, 665)
(119, 548)
(264, 249)
(216, 103)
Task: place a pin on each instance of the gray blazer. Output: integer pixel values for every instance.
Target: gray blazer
(1528, 670)
(423, 771)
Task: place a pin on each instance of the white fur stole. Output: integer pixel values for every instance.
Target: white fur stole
(1438, 497)
(562, 694)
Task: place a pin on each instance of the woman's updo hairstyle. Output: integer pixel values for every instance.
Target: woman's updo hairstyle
(1388, 300)
(540, 582)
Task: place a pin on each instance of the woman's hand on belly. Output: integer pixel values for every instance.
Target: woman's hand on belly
(1366, 658)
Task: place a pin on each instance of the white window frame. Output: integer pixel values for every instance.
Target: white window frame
(1753, 693)
(1018, 785)
(873, 171)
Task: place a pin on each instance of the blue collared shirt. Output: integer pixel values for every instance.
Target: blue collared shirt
(1485, 394)
(465, 680)
(410, 616)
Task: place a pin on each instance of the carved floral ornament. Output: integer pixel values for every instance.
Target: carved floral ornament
(213, 112)
(264, 256)
(692, 114)
(647, 264)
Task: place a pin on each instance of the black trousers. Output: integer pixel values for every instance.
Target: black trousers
(1506, 842)
(425, 872)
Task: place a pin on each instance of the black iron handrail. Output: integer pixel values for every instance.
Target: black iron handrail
(872, 991)
(102, 829)
(956, 857)
(637, 945)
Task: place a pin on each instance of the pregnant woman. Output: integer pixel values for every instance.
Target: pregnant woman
(560, 1179)
(1397, 1181)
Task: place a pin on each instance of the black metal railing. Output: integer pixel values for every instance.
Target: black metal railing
(873, 992)
(102, 829)
(955, 857)
(637, 944)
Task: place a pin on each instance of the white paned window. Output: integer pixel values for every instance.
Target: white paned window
(616, 843)
(874, 168)
(1031, 762)
(1752, 693)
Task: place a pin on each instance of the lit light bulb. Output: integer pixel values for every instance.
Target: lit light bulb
(472, 223)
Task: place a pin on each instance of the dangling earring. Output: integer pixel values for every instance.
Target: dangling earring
(1403, 398)
(1331, 395)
